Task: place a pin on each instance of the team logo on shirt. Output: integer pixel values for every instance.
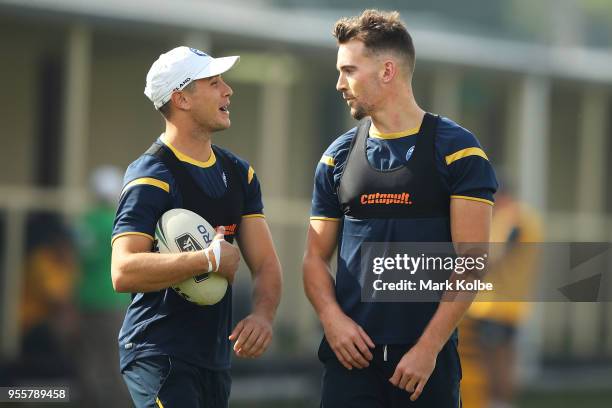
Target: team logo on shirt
(224, 179)
(409, 153)
(230, 229)
(386, 198)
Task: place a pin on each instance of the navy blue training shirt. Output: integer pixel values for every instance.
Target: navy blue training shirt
(149, 191)
(463, 172)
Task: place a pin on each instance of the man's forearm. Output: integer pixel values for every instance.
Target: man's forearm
(319, 287)
(470, 226)
(452, 308)
(442, 324)
(267, 286)
(149, 272)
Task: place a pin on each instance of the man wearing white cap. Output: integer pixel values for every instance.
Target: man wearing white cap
(173, 352)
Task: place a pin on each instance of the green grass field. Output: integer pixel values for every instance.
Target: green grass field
(540, 399)
(559, 399)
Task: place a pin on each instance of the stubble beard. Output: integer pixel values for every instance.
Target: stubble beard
(212, 126)
(222, 126)
(358, 112)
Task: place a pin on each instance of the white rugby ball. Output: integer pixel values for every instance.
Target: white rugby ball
(180, 230)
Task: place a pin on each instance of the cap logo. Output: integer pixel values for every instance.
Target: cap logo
(182, 84)
(198, 52)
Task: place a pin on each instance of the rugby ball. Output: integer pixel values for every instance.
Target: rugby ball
(180, 230)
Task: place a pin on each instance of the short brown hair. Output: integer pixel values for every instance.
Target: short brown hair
(379, 31)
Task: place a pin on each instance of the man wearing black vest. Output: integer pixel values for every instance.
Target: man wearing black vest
(173, 352)
(402, 175)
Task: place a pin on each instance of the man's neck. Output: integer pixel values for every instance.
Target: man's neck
(399, 113)
(193, 143)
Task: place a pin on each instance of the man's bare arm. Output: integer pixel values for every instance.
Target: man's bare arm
(254, 333)
(135, 269)
(346, 338)
(470, 223)
(321, 241)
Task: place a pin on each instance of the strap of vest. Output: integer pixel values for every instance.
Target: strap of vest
(428, 128)
(430, 122)
(154, 150)
(173, 164)
(168, 158)
(428, 131)
(362, 132)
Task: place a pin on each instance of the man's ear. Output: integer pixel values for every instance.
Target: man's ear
(389, 71)
(180, 100)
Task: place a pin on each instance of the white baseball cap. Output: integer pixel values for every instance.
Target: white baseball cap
(175, 69)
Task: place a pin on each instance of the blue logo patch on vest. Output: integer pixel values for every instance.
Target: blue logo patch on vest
(198, 52)
(409, 153)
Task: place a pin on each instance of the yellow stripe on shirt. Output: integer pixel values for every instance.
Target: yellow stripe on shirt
(254, 216)
(148, 181)
(314, 218)
(470, 151)
(142, 234)
(482, 200)
(328, 160)
(250, 175)
(212, 159)
(159, 403)
(394, 135)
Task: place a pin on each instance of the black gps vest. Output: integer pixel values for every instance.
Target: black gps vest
(409, 203)
(413, 190)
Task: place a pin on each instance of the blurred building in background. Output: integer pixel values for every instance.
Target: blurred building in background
(532, 80)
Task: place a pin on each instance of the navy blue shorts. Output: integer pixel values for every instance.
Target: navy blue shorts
(370, 387)
(167, 382)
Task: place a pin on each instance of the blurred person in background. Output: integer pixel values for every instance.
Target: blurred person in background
(100, 306)
(175, 353)
(389, 354)
(488, 333)
(49, 316)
